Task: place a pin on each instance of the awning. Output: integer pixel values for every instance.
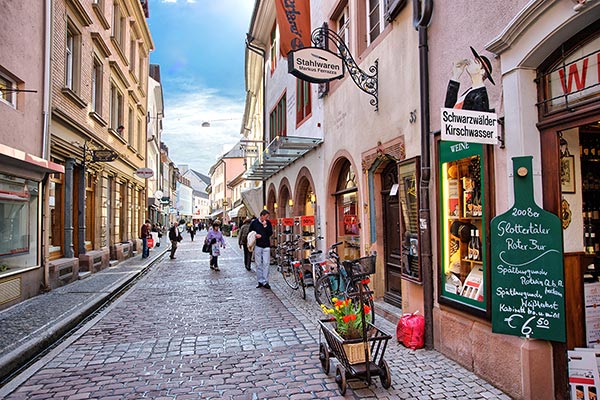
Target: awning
(280, 153)
(216, 214)
(234, 212)
(253, 200)
(27, 162)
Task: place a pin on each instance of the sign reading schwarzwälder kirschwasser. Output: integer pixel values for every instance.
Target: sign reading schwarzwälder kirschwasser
(316, 65)
(469, 126)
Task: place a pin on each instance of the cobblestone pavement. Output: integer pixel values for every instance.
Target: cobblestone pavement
(186, 332)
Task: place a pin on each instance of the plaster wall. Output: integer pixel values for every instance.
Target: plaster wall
(21, 60)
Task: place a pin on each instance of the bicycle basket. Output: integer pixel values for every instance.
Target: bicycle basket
(363, 266)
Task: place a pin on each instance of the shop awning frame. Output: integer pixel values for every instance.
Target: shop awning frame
(234, 212)
(281, 152)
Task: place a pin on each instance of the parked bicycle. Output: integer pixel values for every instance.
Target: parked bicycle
(344, 279)
(290, 268)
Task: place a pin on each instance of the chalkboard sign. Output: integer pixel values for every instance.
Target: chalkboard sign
(528, 293)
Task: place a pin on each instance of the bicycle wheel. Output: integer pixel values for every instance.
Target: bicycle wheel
(289, 276)
(327, 287)
(353, 292)
(300, 277)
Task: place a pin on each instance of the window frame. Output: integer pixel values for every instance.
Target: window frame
(278, 119)
(96, 85)
(303, 101)
(343, 13)
(381, 21)
(116, 107)
(8, 95)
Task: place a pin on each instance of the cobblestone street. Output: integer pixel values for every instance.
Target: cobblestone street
(187, 332)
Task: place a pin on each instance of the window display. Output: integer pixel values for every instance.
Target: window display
(462, 226)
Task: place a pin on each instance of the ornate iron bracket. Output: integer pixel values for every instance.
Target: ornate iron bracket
(365, 82)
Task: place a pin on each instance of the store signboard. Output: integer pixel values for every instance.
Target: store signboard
(287, 221)
(315, 65)
(528, 292)
(469, 126)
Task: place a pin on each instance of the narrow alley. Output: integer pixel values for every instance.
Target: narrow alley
(187, 332)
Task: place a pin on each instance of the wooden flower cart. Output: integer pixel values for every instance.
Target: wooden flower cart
(359, 359)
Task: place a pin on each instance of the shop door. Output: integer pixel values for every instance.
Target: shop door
(391, 236)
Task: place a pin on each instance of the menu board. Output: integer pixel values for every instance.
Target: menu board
(528, 294)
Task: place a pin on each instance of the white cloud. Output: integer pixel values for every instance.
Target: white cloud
(187, 140)
(169, 1)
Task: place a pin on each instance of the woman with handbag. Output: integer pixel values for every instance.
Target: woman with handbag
(215, 240)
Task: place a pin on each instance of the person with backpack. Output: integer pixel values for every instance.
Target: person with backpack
(243, 243)
(216, 240)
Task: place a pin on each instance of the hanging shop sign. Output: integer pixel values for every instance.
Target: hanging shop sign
(469, 126)
(145, 173)
(528, 292)
(316, 65)
(104, 155)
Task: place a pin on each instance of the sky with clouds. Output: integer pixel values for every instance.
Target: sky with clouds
(199, 45)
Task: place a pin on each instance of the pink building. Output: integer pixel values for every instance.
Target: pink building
(24, 106)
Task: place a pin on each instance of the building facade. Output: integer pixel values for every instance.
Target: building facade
(378, 176)
(25, 169)
(99, 91)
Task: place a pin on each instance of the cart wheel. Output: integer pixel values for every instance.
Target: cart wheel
(386, 377)
(324, 357)
(340, 378)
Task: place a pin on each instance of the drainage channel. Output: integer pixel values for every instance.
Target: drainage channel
(81, 323)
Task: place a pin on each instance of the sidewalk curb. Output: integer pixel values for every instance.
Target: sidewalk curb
(26, 352)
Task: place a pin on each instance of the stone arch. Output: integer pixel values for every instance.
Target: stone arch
(284, 195)
(272, 200)
(305, 187)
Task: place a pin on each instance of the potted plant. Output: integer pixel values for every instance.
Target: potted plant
(347, 318)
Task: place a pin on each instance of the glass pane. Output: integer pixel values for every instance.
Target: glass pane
(462, 226)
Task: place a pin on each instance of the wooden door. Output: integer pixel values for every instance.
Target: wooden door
(391, 236)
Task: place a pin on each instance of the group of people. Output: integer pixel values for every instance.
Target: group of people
(263, 230)
(260, 246)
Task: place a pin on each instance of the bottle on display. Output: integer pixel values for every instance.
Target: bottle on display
(477, 247)
(589, 233)
(471, 245)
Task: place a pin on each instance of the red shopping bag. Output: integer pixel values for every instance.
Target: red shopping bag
(411, 330)
(150, 242)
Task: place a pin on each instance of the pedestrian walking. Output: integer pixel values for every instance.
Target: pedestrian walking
(175, 237)
(243, 243)
(144, 235)
(192, 231)
(216, 241)
(262, 250)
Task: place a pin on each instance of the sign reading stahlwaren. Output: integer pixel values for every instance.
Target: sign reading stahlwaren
(469, 126)
(316, 65)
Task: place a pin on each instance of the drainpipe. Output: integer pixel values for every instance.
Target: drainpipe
(46, 141)
(422, 10)
(260, 52)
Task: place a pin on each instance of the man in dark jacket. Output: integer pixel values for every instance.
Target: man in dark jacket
(262, 251)
(175, 238)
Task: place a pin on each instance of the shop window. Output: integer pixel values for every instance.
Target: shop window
(303, 100)
(463, 234)
(348, 224)
(19, 202)
(7, 91)
(90, 207)
(408, 178)
(55, 202)
(277, 119)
